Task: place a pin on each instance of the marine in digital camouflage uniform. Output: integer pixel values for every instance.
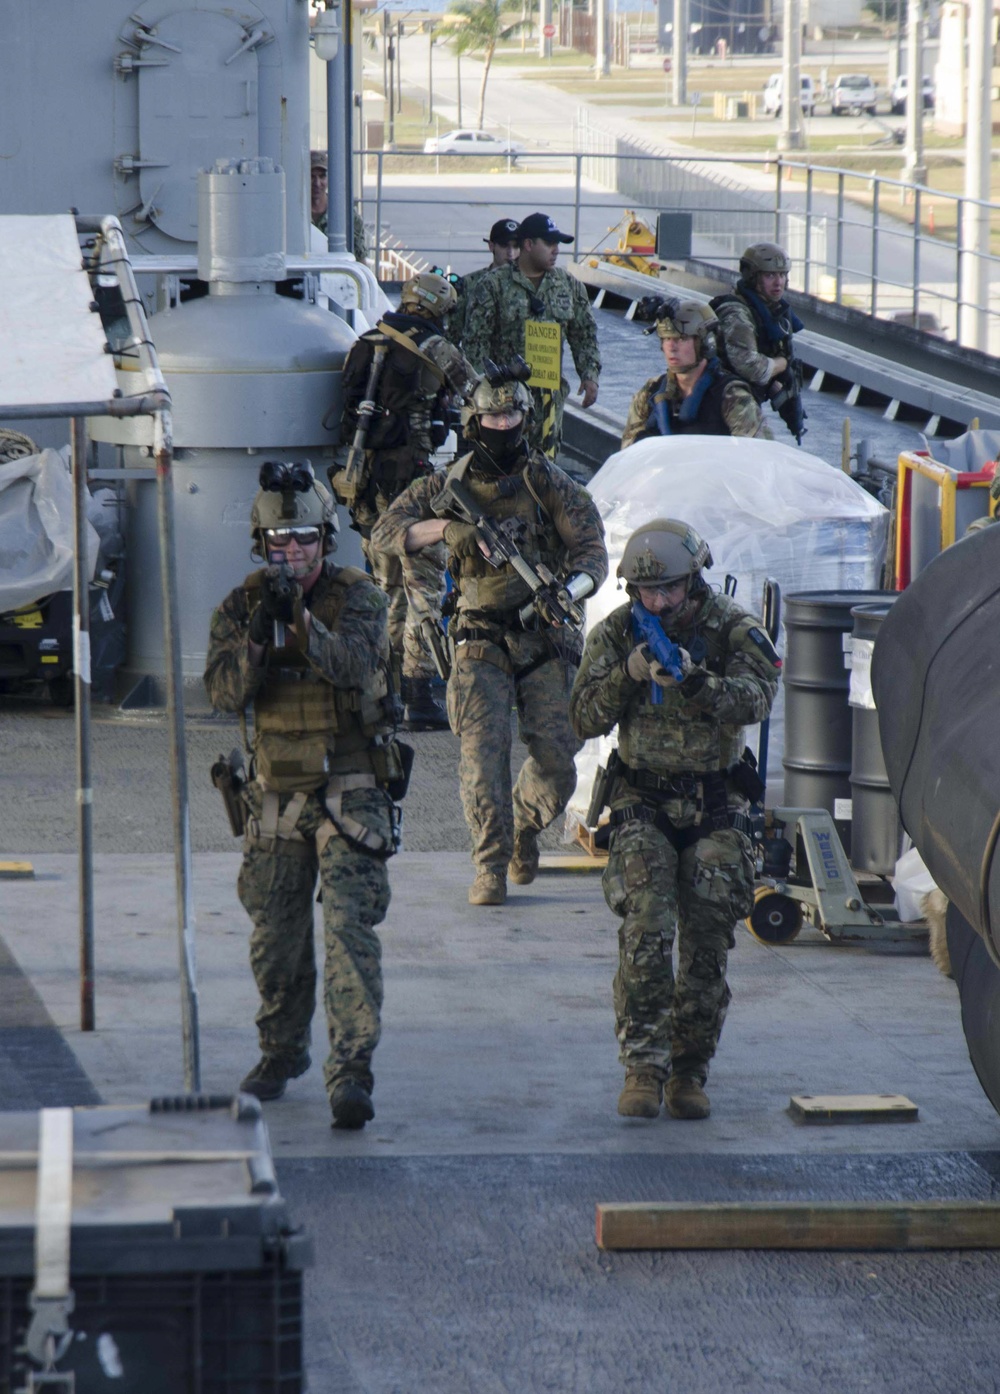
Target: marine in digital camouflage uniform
(535, 289)
(695, 396)
(422, 373)
(680, 861)
(501, 661)
(312, 661)
(504, 247)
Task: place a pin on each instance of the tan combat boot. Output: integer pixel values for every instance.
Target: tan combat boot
(524, 863)
(642, 1093)
(685, 1098)
(489, 888)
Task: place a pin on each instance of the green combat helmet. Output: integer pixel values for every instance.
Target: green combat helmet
(689, 319)
(663, 552)
(763, 259)
(291, 497)
(428, 294)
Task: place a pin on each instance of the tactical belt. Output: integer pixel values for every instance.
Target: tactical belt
(679, 838)
(490, 636)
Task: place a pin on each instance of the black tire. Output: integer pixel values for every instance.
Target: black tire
(870, 110)
(775, 918)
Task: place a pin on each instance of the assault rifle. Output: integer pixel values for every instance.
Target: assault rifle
(646, 627)
(785, 396)
(346, 482)
(501, 550)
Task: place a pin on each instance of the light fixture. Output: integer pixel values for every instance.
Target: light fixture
(326, 33)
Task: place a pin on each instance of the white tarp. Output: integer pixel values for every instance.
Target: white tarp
(36, 530)
(51, 343)
(767, 510)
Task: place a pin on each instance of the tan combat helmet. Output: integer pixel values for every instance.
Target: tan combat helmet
(490, 400)
(290, 496)
(690, 319)
(763, 259)
(663, 552)
(428, 294)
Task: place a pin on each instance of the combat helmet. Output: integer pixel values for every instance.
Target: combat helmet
(763, 259)
(663, 552)
(491, 399)
(689, 319)
(428, 294)
(290, 496)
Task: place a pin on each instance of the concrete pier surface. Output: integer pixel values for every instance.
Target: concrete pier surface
(455, 1234)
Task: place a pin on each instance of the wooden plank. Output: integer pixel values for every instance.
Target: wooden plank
(852, 1108)
(16, 871)
(570, 863)
(889, 1225)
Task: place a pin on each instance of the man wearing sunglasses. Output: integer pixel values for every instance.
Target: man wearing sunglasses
(305, 643)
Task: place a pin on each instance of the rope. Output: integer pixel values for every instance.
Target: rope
(14, 446)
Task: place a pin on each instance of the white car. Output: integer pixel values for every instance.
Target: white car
(853, 93)
(897, 96)
(467, 142)
(773, 89)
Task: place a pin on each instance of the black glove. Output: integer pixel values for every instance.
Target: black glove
(261, 629)
(279, 591)
(462, 540)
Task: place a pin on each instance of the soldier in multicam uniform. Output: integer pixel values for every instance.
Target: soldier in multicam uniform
(305, 643)
(757, 322)
(505, 655)
(680, 860)
(695, 396)
(534, 289)
(422, 373)
(504, 248)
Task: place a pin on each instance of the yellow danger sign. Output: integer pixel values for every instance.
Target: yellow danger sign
(543, 350)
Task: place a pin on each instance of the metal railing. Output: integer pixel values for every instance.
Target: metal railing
(876, 243)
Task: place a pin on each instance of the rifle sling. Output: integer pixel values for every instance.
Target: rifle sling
(400, 338)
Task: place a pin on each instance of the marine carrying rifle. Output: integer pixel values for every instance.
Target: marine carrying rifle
(455, 500)
(346, 482)
(646, 628)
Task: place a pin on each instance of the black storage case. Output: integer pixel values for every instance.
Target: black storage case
(185, 1268)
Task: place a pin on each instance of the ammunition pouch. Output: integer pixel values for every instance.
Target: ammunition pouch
(287, 764)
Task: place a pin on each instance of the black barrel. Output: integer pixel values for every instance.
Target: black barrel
(876, 832)
(817, 755)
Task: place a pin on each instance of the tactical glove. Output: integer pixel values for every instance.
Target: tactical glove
(637, 664)
(261, 626)
(462, 540)
(547, 610)
(278, 593)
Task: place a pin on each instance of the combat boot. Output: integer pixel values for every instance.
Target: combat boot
(422, 711)
(642, 1094)
(524, 863)
(271, 1073)
(351, 1105)
(489, 888)
(686, 1098)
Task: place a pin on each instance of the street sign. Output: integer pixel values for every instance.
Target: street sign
(548, 30)
(666, 65)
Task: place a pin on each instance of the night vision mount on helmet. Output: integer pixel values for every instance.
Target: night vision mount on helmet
(290, 496)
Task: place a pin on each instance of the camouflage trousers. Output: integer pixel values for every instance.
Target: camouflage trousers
(414, 585)
(277, 890)
(483, 689)
(545, 428)
(663, 1021)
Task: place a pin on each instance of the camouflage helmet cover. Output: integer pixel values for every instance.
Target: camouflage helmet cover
(432, 294)
(764, 259)
(487, 400)
(662, 551)
(689, 319)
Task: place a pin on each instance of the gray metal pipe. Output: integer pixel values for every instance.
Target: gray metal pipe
(81, 687)
(337, 211)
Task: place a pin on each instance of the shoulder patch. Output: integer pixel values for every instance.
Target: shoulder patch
(763, 642)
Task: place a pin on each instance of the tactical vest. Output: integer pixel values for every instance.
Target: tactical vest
(709, 421)
(304, 727)
(519, 510)
(675, 736)
(774, 339)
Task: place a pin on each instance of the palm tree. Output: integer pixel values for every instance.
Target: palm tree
(485, 25)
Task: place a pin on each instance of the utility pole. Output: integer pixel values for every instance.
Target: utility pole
(974, 298)
(399, 66)
(430, 77)
(544, 22)
(602, 61)
(680, 64)
(792, 134)
(914, 169)
(662, 20)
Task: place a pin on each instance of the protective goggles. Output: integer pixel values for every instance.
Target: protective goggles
(280, 537)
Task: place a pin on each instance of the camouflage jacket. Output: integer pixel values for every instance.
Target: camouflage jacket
(699, 724)
(502, 301)
(739, 410)
(568, 512)
(346, 656)
(740, 343)
(456, 320)
(360, 238)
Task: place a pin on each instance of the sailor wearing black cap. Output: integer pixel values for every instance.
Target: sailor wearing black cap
(528, 308)
(504, 246)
